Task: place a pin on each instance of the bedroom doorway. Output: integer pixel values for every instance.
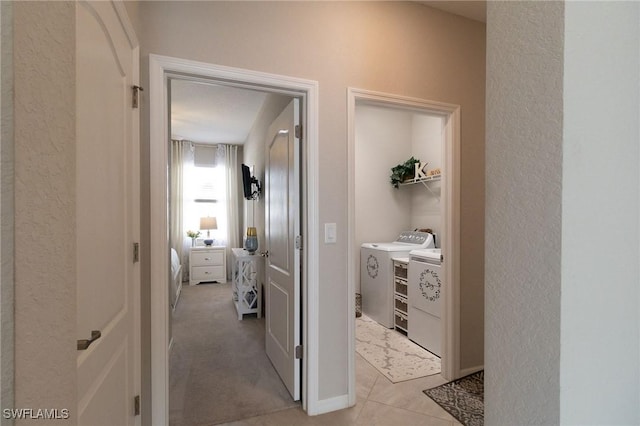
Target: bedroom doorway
(217, 326)
(162, 70)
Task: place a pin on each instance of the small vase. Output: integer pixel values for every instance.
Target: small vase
(193, 242)
(251, 242)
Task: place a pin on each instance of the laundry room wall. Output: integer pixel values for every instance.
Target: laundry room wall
(385, 137)
(382, 140)
(426, 145)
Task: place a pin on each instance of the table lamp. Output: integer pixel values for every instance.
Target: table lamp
(208, 223)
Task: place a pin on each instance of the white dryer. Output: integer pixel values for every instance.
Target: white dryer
(376, 273)
(425, 282)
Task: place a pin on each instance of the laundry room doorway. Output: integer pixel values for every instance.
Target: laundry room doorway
(385, 131)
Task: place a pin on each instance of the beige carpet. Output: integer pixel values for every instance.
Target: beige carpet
(219, 371)
(393, 354)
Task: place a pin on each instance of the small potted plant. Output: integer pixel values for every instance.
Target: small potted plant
(403, 171)
(193, 235)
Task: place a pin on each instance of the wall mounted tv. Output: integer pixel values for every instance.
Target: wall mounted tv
(248, 183)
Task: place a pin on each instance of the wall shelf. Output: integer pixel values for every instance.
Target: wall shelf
(422, 180)
(425, 181)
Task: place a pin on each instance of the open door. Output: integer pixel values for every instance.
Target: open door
(107, 212)
(282, 233)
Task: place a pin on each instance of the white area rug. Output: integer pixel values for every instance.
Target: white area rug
(391, 353)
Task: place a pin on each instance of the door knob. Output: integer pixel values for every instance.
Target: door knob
(83, 344)
(264, 253)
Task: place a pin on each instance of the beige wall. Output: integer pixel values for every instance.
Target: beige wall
(395, 47)
(45, 257)
(400, 48)
(524, 189)
(6, 205)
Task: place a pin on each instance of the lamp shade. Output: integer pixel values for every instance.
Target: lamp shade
(208, 223)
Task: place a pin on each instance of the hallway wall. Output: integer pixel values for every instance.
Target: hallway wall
(563, 209)
(6, 206)
(523, 213)
(402, 48)
(45, 210)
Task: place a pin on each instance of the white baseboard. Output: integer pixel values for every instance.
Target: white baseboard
(471, 370)
(331, 404)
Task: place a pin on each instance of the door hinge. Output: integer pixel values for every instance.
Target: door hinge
(136, 405)
(299, 352)
(136, 94)
(299, 242)
(298, 131)
(136, 252)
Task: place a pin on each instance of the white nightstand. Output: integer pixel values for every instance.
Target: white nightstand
(207, 264)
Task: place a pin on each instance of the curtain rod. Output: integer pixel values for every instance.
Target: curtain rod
(198, 143)
(205, 144)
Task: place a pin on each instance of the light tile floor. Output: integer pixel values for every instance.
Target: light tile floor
(379, 402)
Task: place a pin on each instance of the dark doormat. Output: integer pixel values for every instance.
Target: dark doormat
(462, 398)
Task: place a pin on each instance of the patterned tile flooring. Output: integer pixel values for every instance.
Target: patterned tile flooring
(379, 402)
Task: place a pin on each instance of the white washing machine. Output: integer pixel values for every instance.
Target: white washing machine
(376, 273)
(425, 282)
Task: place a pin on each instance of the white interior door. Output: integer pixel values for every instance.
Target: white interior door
(107, 216)
(282, 223)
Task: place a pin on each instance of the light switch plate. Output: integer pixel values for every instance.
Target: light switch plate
(330, 232)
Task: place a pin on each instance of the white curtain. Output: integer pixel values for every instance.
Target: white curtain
(187, 185)
(181, 154)
(233, 197)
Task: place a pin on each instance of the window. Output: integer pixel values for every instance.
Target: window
(205, 195)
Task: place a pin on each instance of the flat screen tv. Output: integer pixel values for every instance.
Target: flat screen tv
(246, 182)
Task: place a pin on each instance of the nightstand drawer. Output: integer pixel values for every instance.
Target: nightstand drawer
(207, 273)
(199, 258)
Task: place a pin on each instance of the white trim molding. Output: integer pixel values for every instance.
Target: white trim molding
(471, 370)
(451, 220)
(333, 404)
(161, 68)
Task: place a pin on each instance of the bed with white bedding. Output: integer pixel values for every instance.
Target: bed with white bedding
(175, 283)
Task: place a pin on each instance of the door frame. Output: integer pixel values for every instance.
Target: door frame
(161, 69)
(450, 220)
